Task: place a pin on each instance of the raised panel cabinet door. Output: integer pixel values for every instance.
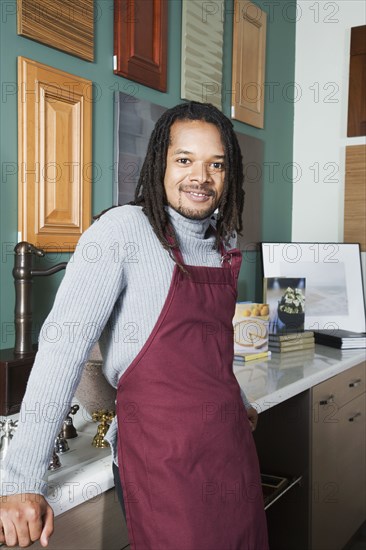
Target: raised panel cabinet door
(54, 153)
(248, 69)
(141, 42)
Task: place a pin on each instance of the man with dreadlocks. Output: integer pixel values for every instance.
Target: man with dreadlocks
(159, 287)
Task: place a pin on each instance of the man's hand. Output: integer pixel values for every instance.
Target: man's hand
(252, 417)
(25, 518)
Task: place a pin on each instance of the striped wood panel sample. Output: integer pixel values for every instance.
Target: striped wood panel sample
(202, 51)
(67, 25)
(355, 196)
(54, 156)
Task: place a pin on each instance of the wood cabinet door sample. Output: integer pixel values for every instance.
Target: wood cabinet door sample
(202, 50)
(357, 83)
(355, 196)
(54, 155)
(67, 25)
(140, 41)
(249, 50)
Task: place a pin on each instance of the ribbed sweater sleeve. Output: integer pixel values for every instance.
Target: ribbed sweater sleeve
(91, 284)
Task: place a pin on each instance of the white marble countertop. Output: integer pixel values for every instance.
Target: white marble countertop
(86, 472)
(270, 382)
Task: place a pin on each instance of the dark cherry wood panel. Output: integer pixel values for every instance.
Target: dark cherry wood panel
(140, 41)
(357, 84)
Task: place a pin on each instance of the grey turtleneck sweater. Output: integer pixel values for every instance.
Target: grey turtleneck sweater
(114, 289)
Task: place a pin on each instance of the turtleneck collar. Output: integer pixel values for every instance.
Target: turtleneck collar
(195, 228)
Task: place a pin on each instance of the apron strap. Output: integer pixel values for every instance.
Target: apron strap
(232, 259)
(229, 258)
(175, 250)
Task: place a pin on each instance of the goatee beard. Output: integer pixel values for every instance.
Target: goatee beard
(195, 213)
(192, 214)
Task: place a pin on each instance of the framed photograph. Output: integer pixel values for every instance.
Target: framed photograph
(134, 120)
(334, 288)
(67, 26)
(285, 297)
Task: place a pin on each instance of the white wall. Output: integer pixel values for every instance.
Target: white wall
(320, 130)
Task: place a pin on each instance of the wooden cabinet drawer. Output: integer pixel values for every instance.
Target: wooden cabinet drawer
(342, 388)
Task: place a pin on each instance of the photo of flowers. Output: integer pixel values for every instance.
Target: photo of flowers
(286, 299)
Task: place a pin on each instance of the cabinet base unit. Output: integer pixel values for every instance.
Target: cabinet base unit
(338, 458)
(314, 447)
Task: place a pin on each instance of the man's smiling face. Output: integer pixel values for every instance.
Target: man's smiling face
(195, 168)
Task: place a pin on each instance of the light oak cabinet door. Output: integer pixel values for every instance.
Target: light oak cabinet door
(248, 70)
(54, 154)
(338, 503)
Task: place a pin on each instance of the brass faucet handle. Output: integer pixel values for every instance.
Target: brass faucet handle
(103, 416)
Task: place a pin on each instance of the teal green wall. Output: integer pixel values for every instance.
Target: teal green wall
(277, 135)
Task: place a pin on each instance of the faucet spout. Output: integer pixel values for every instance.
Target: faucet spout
(50, 271)
(23, 273)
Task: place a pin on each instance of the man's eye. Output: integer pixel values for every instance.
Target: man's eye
(217, 165)
(183, 161)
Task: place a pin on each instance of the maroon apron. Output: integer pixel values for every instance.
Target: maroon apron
(187, 460)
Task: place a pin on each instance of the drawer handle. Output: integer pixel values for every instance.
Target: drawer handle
(329, 399)
(355, 383)
(352, 418)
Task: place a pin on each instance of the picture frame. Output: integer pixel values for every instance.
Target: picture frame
(275, 292)
(334, 286)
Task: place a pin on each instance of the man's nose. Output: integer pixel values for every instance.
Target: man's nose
(199, 172)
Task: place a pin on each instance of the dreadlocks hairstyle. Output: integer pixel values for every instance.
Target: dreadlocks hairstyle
(150, 192)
